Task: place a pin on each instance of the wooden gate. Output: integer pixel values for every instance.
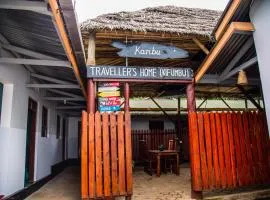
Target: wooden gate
(228, 150)
(106, 155)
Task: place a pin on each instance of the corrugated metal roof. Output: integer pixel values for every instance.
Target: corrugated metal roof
(36, 32)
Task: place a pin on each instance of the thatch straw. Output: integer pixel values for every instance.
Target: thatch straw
(168, 19)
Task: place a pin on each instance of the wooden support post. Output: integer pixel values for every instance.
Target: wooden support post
(226, 103)
(250, 98)
(91, 57)
(191, 103)
(166, 114)
(90, 96)
(126, 95)
(179, 117)
(199, 44)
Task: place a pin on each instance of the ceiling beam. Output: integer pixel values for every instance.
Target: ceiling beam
(237, 57)
(240, 28)
(62, 93)
(3, 40)
(50, 79)
(23, 61)
(35, 6)
(63, 86)
(243, 66)
(69, 107)
(63, 99)
(27, 52)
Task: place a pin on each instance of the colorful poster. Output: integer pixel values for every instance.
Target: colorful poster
(110, 101)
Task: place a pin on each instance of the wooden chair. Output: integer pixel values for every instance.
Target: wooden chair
(170, 162)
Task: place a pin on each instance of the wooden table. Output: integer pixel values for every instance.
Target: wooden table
(165, 153)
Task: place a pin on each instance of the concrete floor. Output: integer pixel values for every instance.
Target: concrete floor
(65, 186)
(166, 187)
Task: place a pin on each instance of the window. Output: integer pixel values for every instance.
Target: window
(44, 127)
(156, 125)
(58, 127)
(1, 97)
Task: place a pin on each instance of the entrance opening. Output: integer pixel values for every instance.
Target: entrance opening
(64, 139)
(30, 142)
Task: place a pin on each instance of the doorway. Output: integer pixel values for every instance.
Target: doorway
(30, 142)
(64, 140)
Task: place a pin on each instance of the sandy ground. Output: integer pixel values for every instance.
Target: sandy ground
(166, 187)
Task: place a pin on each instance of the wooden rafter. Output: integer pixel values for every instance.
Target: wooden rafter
(226, 19)
(234, 27)
(67, 46)
(199, 44)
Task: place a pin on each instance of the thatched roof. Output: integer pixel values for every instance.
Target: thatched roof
(168, 19)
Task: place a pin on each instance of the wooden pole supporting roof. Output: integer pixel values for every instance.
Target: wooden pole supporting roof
(233, 28)
(67, 46)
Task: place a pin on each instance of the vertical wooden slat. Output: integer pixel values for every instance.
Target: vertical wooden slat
(84, 157)
(91, 151)
(238, 156)
(98, 154)
(220, 151)
(128, 153)
(254, 150)
(115, 190)
(226, 146)
(106, 155)
(243, 149)
(215, 151)
(258, 144)
(265, 141)
(204, 169)
(250, 175)
(121, 154)
(194, 152)
(232, 148)
(211, 174)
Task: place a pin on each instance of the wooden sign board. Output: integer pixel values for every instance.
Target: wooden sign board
(109, 101)
(136, 72)
(149, 50)
(109, 94)
(109, 108)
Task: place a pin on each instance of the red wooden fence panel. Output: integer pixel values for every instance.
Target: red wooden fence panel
(228, 150)
(106, 156)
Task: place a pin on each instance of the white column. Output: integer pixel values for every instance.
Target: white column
(259, 15)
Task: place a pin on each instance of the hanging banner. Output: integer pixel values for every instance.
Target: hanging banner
(149, 50)
(136, 72)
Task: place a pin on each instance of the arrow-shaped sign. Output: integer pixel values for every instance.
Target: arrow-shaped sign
(109, 94)
(105, 89)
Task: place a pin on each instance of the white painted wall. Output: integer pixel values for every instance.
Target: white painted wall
(13, 130)
(142, 122)
(73, 137)
(260, 17)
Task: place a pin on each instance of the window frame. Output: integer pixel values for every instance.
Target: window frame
(58, 126)
(44, 122)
